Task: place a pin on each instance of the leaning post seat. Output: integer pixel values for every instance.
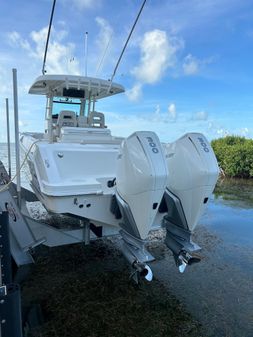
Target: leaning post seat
(96, 119)
(89, 135)
(65, 118)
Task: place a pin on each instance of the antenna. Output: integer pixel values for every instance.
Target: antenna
(126, 43)
(103, 56)
(48, 35)
(86, 52)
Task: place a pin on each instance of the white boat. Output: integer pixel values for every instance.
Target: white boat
(114, 185)
(117, 185)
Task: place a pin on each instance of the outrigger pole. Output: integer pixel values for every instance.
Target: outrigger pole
(126, 43)
(48, 36)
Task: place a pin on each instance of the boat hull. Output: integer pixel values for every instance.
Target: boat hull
(83, 179)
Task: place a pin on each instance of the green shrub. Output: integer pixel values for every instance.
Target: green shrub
(234, 155)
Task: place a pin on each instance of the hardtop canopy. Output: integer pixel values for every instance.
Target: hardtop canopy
(74, 86)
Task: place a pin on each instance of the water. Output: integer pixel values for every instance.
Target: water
(219, 290)
(4, 159)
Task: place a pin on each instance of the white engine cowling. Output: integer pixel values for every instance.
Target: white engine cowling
(141, 179)
(193, 173)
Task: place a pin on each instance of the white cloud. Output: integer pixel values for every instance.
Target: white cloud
(200, 116)
(82, 4)
(103, 40)
(158, 52)
(105, 32)
(157, 116)
(216, 130)
(61, 23)
(124, 125)
(15, 40)
(157, 113)
(159, 122)
(244, 132)
(22, 124)
(161, 117)
(135, 93)
(222, 132)
(172, 112)
(60, 56)
(4, 87)
(191, 65)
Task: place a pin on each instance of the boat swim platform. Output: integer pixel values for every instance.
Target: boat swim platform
(26, 232)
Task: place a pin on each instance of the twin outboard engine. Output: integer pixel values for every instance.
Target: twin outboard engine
(172, 179)
(141, 179)
(193, 173)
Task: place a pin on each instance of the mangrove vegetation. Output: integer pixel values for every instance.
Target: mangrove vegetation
(235, 156)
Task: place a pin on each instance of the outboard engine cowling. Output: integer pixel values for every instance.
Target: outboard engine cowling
(141, 179)
(193, 173)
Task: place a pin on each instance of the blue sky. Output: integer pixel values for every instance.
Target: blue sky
(188, 67)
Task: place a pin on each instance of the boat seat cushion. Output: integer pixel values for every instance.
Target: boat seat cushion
(96, 119)
(72, 187)
(66, 118)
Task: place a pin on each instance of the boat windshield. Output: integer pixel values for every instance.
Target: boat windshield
(66, 103)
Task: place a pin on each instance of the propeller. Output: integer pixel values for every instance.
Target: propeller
(184, 259)
(141, 270)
